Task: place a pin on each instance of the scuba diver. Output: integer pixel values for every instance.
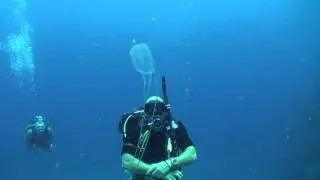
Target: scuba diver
(155, 145)
(39, 135)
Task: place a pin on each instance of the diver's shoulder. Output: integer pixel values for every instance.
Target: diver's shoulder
(180, 124)
(30, 127)
(29, 131)
(49, 129)
(130, 119)
(131, 114)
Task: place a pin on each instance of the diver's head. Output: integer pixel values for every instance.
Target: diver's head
(155, 110)
(39, 123)
(154, 105)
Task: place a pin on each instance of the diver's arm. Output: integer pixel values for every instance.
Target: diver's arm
(50, 133)
(188, 156)
(28, 139)
(170, 168)
(134, 165)
(49, 129)
(50, 139)
(28, 134)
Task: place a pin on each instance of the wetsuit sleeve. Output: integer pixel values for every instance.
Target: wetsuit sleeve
(183, 138)
(48, 145)
(130, 138)
(50, 135)
(28, 138)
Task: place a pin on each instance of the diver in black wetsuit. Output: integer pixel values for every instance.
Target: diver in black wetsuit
(39, 135)
(155, 146)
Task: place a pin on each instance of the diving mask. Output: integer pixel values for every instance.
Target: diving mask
(156, 116)
(154, 108)
(39, 123)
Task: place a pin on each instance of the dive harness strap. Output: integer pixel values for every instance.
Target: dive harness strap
(143, 137)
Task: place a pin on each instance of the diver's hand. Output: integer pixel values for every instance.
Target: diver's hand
(175, 175)
(159, 170)
(169, 177)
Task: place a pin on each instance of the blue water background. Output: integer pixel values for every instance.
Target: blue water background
(240, 76)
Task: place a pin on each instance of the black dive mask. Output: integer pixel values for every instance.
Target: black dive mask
(156, 116)
(154, 108)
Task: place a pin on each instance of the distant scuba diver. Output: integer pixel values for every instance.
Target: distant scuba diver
(38, 135)
(155, 146)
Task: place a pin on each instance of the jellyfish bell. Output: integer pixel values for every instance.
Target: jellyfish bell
(143, 63)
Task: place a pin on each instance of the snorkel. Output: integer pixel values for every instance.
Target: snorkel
(166, 99)
(172, 124)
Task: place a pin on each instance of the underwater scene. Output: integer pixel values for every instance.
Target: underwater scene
(160, 90)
